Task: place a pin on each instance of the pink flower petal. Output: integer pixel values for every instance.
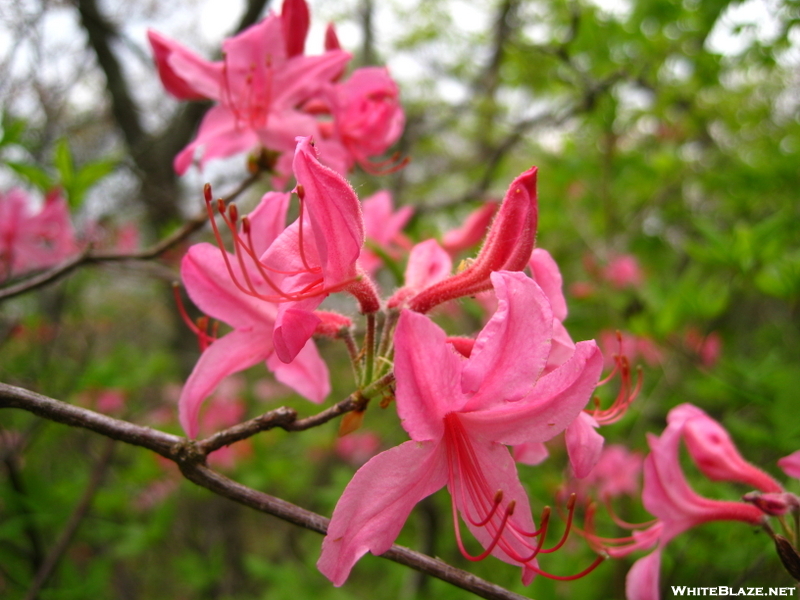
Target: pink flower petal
(307, 374)
(791, 464)
(551, 406)
(210, 287)
(584, 444)
(547, 274)
(498, 468)
(643, 577)
(428, 376)
(234, 352)
(511, 350)
(293, 328)
(533, 453)
(268, 220)
(184, 74)
(335, 214)
(377, 502)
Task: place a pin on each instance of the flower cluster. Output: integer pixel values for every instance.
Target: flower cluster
(267, 91)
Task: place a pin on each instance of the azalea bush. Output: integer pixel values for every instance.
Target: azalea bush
(519, 321)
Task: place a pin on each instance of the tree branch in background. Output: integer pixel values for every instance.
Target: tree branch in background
(190, 457)
(80, 511)
(89, 256)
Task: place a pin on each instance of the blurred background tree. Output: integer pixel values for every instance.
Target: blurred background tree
(667, 135)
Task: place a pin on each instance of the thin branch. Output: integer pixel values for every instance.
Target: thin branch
(190, 458)
(54, 410)
(89, 256)
(64, 540)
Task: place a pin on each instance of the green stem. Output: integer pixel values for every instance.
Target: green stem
(347, 336)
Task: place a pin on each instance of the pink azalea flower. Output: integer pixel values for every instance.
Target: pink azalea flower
(259, 86)
(207, 274)
(31, 241)
(309, 265)
(669, 497)
(472, 231)
(460, 414)
(714, 452)
(623, 271)
(791, 464)
(225, 410)
(383, 228)
(617, 473)
(631, 346)
(707, 348)
(367, 119)
(358, 447)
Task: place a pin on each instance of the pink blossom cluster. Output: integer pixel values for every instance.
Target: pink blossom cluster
(463, 401)
(31, 240)
(677, 507)
(267, 91)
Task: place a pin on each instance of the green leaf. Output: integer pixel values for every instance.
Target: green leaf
(62, 159)
(35, 175)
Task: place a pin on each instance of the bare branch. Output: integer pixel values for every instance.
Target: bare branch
(100, 33)
(190, 458)
(61, 412)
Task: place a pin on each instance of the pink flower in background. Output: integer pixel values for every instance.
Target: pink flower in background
(259, 86)
(707, 348)
(632, 346)
(358, 447)
(617, 473)
(383, 227)
(211, 277)
(668, 496)
(714, 452)
(226, 408)
(123, 238)
(30, 241)
(623, 271)
(367, 118)
(460, 414)
(472, 231)
(791, 464)
(428, 263)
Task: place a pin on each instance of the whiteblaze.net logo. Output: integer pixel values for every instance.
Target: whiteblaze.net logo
(724, 590)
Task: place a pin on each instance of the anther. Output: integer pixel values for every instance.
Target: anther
(301, 192)
(207, 194)
(233, 213)
(221, 206)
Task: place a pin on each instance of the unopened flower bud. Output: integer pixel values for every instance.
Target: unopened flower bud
(508, 247)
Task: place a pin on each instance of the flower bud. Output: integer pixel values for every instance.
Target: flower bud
(508, 247)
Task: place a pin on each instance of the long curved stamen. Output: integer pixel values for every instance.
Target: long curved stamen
(495, 539)
(597, 561)
(199, 328)
(310, 290)
(376, 167)
(624, 398)
(622, 523)
(301, 193)
(571, 508)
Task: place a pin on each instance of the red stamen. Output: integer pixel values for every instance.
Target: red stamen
(571, 514)
(301, 193)
(583, 573)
